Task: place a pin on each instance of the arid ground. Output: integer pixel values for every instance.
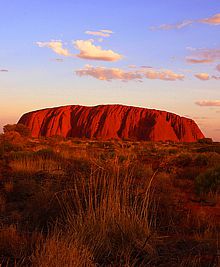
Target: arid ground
(75, 202)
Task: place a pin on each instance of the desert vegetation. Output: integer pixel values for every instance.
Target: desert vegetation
(75, 202)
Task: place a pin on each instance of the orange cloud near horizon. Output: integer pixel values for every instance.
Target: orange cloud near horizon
(202, 76)
(208, 103)
(205, 76)
(198, 61)
(204, 55)
(166, 75)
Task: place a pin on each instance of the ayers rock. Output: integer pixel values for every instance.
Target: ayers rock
(111, 121)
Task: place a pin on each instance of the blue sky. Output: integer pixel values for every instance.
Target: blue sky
(47, 58)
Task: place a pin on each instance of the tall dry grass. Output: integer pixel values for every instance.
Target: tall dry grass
(61, 250)
(107, 215)
(32, 162)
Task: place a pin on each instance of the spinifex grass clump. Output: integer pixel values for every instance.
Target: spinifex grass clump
(109, 216)
(61, 250)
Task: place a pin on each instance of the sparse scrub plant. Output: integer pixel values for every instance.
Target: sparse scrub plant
(189, 173)
(201, 160)
(10, 144)
(12, 243)
(209, 181)
(2, 203)
(183, 160)
(19, 128)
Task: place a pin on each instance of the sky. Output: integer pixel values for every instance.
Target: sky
(155, 54)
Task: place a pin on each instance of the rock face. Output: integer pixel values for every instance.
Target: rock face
(111, 121)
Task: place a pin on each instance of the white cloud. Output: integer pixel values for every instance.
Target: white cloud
(208, 103)
(98, 33)
(102, 33)
(58, 59)
(108, 74)
(56, 46)
(107, 31)
(90, 51)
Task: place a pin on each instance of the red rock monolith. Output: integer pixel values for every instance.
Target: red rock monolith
(111, 122)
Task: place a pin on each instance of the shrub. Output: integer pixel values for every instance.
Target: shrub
(12, 141)
(78, 166)
(210, 148)
(2, 152)
(122, 158)
(12, 243)
(172, 151)
(208, 181)
(19, 128)
(189, 173)
(183, 160)
(14, 138)
(2, 203)
(47, 153)
(205, 141)
(201, 160)
(110, 155)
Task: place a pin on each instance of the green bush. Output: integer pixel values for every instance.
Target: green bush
(208, 181)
